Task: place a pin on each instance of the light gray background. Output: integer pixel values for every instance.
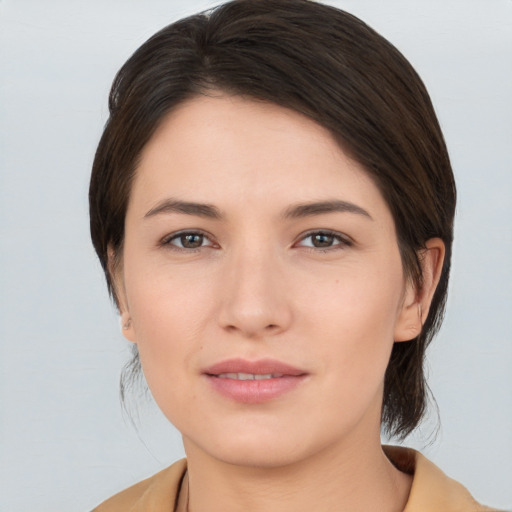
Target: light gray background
(63, 442)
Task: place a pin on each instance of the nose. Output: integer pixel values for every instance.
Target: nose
(254, 296)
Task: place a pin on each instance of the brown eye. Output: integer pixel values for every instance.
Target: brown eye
(187, 240)
(322, 240)
(191, 241)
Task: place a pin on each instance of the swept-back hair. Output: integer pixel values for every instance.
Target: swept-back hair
(330, 66)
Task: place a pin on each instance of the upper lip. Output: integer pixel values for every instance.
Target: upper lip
(258, 367)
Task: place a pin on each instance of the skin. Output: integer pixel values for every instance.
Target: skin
(257, 287)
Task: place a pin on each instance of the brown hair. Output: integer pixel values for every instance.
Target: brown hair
(330, 66)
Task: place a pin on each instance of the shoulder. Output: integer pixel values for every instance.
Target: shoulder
(432, 490)
(159, 492)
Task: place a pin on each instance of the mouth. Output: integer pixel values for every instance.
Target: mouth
(249, 376)
(253, 382)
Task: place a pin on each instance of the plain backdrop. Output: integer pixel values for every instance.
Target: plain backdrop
(64, 443)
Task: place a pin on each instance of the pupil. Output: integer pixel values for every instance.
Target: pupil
(322, 240)
(192, 241)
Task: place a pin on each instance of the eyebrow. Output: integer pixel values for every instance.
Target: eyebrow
(292, 212)
(189, 208)
(322, 207)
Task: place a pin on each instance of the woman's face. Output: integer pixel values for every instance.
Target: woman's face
(264, 284)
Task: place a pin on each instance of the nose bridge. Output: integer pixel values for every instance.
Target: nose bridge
(254, 298)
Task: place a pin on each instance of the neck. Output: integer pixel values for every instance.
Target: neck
(359, 478)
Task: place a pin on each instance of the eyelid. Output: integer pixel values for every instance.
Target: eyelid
(167, 239)
(343, 240)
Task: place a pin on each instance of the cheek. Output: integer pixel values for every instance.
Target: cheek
(356, 300)
(168, 314)
(163, 298)
(353, 321)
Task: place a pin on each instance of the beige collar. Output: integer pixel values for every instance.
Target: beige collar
(431, 491)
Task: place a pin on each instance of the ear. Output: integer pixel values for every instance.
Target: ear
(416, 303)
(116, 278)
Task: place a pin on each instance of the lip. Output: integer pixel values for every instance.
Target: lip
(286, 379)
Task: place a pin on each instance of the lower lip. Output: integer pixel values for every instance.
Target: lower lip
(255, 391)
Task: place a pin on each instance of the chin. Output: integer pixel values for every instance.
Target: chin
(259, 448)
(259, 456)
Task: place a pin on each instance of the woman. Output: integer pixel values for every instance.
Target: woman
(272, 203)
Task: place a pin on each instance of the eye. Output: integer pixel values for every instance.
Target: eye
(187, 240)
(324, 240)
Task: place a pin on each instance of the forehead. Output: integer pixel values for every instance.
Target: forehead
(232, 150)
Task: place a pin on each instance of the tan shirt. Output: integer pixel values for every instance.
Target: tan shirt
(432, 490)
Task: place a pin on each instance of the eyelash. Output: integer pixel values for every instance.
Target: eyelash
(342, 241)
(167, 241)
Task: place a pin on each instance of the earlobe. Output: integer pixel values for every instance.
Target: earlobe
(127, 326)
(410, 319)
(416, 304)
(114, 269)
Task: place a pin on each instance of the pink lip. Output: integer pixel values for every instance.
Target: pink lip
(254, 391)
